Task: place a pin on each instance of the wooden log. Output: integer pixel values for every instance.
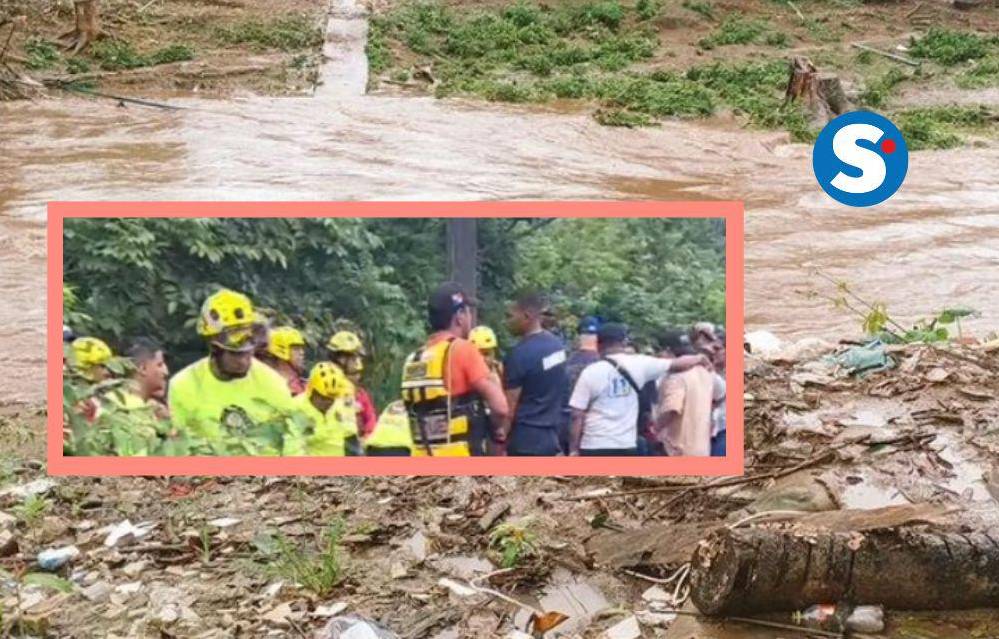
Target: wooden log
(750, 571)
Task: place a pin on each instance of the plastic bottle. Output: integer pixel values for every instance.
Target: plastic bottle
(829, 617)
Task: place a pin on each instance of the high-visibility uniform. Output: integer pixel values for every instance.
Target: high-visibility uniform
(391, 435)
(207, 407)
(439, 422)
(326, 433)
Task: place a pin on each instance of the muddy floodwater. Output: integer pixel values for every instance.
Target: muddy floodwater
(935, 244)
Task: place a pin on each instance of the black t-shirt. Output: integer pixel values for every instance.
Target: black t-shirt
(536, 365)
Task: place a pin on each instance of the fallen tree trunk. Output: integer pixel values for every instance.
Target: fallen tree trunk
(749, 571)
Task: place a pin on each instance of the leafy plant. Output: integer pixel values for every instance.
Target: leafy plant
(952, 47)
(291, 32)
(32, 509)
(318, 570)
(41, 54)
(514, 541)
(734, 29)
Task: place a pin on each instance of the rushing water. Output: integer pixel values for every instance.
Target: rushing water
(935, 244)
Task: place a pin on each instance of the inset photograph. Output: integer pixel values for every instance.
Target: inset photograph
(337, 337)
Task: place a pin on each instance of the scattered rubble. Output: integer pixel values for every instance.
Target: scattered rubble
(899, 453)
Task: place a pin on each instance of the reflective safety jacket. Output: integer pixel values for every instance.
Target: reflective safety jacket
(440, 424)
(326, 433)
(392, 429)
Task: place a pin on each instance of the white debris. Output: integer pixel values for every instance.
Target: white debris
(625, 629)
(224, 522)
(127, 532)
(330, 611)
(763, 343)
(457, 588)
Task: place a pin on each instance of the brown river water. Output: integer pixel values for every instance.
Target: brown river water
(934, 244)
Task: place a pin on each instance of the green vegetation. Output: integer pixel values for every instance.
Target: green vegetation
(735, 29)
(41, 54)
(878, 89)
(117, 55)
(704, 9)
(514, 541)
(952, 47)
(982, 73)
(942, 127)
(318, 570)
(32, 509)
(291, 32)
(134, 277)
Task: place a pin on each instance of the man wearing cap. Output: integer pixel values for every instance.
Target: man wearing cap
(229, 388)
(584, 355)
(604, 402)
(535, 380)
(446, 383)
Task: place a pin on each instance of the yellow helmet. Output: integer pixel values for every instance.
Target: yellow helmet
(483, 337)
(223, 311)
(89, 352)
(327, 379)
(346, 342)
(281, 340)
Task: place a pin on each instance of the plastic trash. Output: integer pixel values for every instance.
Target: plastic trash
(354, 627)
(56, 558)
(838, 619)
(860, 360)
(866, 619)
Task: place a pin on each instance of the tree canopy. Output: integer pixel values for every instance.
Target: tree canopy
(147, 276)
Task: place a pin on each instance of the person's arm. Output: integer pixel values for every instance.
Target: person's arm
(670, 405)
(576, 431)
(687, 362)
(493, 396)
(512, 401)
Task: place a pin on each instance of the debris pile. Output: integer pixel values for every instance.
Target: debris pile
(871, 478)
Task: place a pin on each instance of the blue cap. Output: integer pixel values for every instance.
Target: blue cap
(589, 325)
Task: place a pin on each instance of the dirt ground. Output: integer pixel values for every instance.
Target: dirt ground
(228, 557)
(236, 46)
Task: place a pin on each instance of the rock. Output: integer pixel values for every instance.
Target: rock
(416, 546)
(495, 513)
(31, 489)
(97, 592)
(135, 568)
(397, 570)
(279, 615)
(7, 521)
(464, 567)
(655, 619)
(8, 544)
(627, 628)
(224, 522)
(125, 533)
(331, 610)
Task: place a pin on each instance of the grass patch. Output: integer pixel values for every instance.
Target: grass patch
(942, 127)
(31, 510)
(952, 47)
(877, 90)
(734, 29)
(532, 53)
(119, 55)
(703, 9)
(41, 54)
(292, 32)
(983, 73)
(318, 570)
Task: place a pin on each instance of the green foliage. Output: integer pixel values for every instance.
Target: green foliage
(41, 54)
(77, 65)
(291, 32)
(318, 570)
(514, 541)
(875, 94)
(952, 47)
(704, 9)
(49, 581)
(32, 509)
(982, 73)
(117, 55)
(648, 9)
(734, 29)
(942, 127)
(620, 117)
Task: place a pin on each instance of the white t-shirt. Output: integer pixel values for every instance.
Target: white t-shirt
(611, 404)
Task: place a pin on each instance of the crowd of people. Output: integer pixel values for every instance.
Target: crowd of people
(458, 395)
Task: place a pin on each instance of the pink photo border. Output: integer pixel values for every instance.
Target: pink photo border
(732, 464)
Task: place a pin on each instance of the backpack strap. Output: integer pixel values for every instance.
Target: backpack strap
(624, 373)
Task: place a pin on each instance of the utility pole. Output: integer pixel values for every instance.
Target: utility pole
(463, 253)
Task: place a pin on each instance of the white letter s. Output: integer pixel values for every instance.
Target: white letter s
(872, 166)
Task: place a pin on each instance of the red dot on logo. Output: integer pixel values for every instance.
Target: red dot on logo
(888, 146)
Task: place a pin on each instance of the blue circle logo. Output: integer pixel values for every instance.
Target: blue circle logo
(860, 158)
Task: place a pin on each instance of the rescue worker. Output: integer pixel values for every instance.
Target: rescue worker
(286, 355)
(446, 384)
(484, 339)
(88, 358)
(328, 405)
(229, 389)
(347, 351)
(149, 381)
(392, 436)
